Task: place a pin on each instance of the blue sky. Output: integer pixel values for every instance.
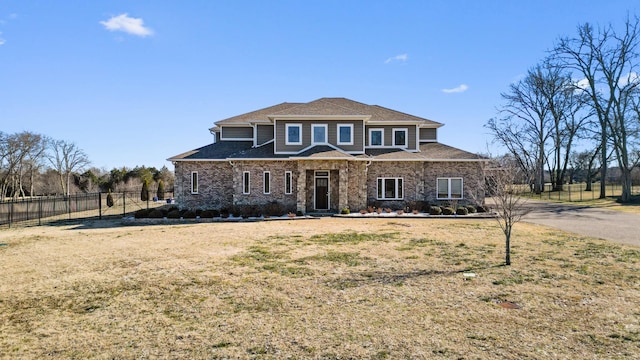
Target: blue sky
(135, 82)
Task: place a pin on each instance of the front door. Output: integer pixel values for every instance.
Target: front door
(322, 190)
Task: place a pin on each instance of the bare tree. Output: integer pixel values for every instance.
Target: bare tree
(607, 62)
(66, 158)
(540, 123)
(502, 179)
(20, 156)
(585, 165)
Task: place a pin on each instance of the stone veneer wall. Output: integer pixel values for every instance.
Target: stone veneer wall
(419, 180)
(347, 181)
(472, 174)
(353, 183)
(410, 171)
(256, 170)
(214, 179)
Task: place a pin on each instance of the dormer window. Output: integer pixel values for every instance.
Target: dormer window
(293, 134)
(400, 137)
(319, 133)
(376, 137)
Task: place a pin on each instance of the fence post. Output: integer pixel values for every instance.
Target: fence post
(40, 211)
(11, 213)
(147, 199)
(124, 203)
(100, 205)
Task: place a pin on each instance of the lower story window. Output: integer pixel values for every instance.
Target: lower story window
(288, 186)
(194, 182)
(449, 188)
(390, 189)
(266, 177)
(246, 183)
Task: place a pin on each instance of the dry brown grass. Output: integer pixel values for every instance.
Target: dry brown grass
(324, 289)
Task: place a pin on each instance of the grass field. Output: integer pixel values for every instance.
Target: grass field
(315, 289)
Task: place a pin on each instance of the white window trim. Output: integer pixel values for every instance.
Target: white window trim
(246, 189)
(449, 188)
(196, 183)
(286, 134)
(381, 136)
(326, 134)
(396, 188)
(350, 142)
(406, 137)
(288, 191)
(265, 189)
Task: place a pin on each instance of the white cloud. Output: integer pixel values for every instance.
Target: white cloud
(459, 89)
(124, 23)
(2, 41)
(631, 78)
(401, 57)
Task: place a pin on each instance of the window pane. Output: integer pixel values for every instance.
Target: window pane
(319, 134)
(380, 189)
(194, 182)
(267, 183)
(390, 188)
(345, 134)
(293, 134)
(287, 183)
(376, 138)
(443, 188)
(400, 138)
(456, 188)
(245, 183)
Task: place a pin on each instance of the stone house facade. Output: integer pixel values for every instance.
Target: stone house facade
(326, 155)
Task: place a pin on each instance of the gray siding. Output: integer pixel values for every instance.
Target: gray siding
(265, 133)
(332, 135)
(428, 134)
(229, 132)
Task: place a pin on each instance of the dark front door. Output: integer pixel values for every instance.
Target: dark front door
(322, 193)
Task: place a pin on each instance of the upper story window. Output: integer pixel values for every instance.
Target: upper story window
(449, 188)
(400, 137)
(345, 134)
(293, 134)
(376, 137)
(319, 133)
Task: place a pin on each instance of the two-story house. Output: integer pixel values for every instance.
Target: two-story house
(326, 155)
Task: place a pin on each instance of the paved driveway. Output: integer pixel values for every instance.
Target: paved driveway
(611, 225)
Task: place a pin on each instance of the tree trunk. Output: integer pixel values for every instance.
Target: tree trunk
(603, 168)
(507, 237)
(626, 185)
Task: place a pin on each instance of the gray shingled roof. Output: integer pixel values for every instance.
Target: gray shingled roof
(326, 106)
(217, 151)
(432, 151)
(260, 152)
(238, 150)
(320, 152)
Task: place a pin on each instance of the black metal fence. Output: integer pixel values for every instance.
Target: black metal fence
(578, 192)
(47, 209)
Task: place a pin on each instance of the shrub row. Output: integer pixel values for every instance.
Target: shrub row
(245, 211)
(422, 206)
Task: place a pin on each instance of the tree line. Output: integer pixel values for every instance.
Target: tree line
(33, 164)
(577, 111)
